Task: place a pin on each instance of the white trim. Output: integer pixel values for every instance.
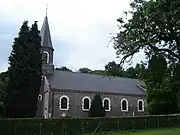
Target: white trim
(141, 88)
(47, 56)
(40, 97)
(86, 97)
(142, 105)
(109, 101)
(64, 96)
(124, 99)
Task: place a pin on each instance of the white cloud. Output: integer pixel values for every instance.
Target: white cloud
(84, 24)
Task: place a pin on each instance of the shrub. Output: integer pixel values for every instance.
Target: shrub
(72, 126)
(97, 109)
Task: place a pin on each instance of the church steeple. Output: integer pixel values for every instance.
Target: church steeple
(46, 47)
(45, 34)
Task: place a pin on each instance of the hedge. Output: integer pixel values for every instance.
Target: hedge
(73, 126)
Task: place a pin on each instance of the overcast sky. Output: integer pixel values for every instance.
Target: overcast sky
(79, 29)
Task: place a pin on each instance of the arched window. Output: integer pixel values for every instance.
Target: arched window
(86, 103)
(124, 105)
(107, 104)
(45, 57)
(64, 103)
(140, 105)
(39, 97)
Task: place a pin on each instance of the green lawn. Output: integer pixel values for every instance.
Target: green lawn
(172, 131)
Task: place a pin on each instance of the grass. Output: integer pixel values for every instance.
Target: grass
(172, 131)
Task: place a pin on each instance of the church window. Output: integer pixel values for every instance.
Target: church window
(86, 103)
(64, 103)
(124, 105)
(45, 57)
(107, 104)
(39, 97)
(140, 105)
(42, 77)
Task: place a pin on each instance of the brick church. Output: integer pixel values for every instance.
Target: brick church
(66, 93)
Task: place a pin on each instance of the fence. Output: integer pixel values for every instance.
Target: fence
(80, 126)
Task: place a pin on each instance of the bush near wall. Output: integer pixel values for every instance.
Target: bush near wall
(73, 126)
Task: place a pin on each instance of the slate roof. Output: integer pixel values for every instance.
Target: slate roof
(91, 82)
(45, 34)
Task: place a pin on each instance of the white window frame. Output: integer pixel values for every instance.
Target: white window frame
(40, 97)
(127, 108)
(64, 109)
(108, 104)
(86, 97)
(140, 100)
(42, 77)
(47, 56)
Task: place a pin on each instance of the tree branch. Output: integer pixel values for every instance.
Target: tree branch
(156, 49)
(129, 55)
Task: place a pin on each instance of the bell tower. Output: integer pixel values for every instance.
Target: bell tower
(47, 49)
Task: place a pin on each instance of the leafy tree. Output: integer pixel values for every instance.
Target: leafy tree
(99, 72)
(64, 68)
(130, 73)
(140, 70)
(161, 96)
(114, 69)
(153, 26)
(97, 110)
(137, 72)
(85, 70)
(174, 83)
(24, 73)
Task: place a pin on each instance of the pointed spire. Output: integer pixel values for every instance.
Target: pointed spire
(46, 9)
(45, 34)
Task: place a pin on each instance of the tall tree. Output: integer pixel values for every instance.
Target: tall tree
(154, 26)
(24, 73)
(34, 70)
(161, 96)
(97, 109)
(14, 101)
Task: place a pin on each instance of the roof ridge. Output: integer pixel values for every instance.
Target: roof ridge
(97, 75)
(87, 82)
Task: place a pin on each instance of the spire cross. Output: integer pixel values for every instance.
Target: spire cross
(46, 8)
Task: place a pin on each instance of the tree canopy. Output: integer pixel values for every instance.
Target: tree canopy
(64, 68)
(85, 70)
(24, 74)
(113, 69)
(162, 95)
(153, 26)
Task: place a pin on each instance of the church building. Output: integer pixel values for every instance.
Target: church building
(66, 93)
